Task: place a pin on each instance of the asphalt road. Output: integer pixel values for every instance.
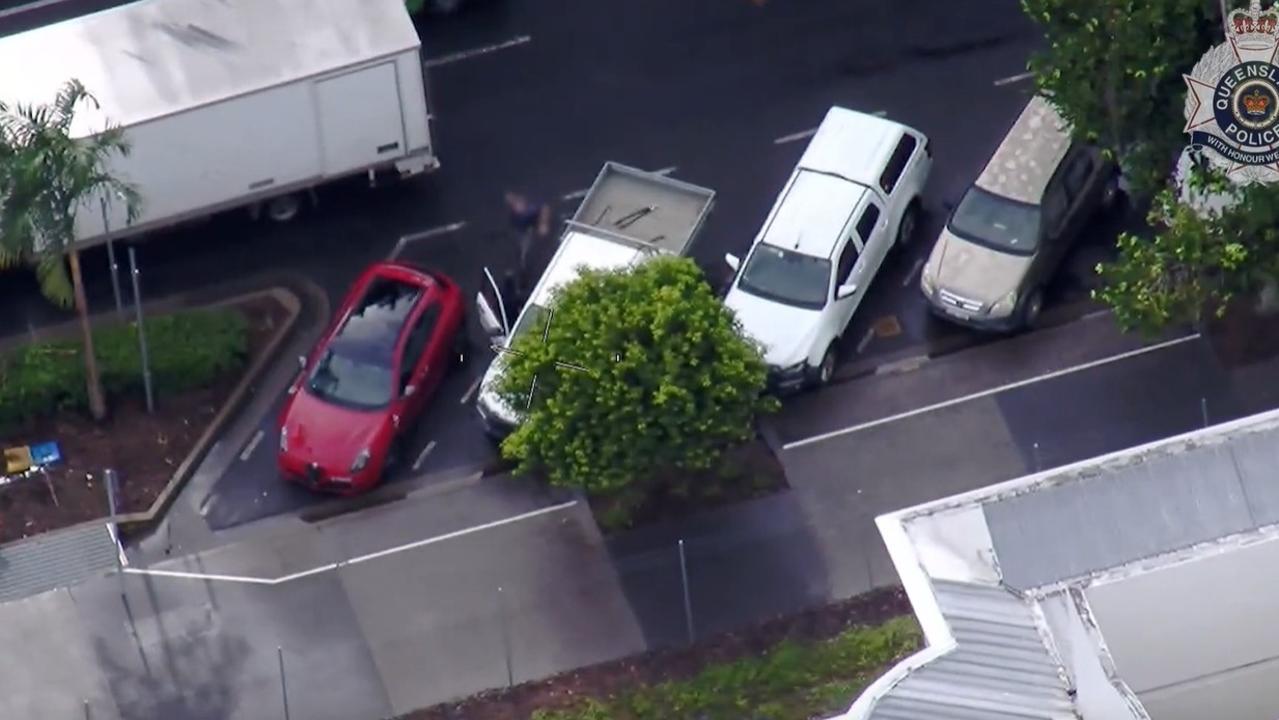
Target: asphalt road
(536, 96)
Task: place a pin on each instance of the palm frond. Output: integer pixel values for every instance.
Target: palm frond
(55, 282)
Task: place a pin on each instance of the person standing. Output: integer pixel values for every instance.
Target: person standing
(531, 222)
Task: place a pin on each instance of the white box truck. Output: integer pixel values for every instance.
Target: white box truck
(628, 215)
(234, 103)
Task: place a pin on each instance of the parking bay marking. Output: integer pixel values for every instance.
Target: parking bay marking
(476, 52)
(422, 455)
(986, 393)
(181, 574)
(1013, 79)
(253, 445)
(914, 270)
(470, 391)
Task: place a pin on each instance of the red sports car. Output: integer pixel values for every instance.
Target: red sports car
(368, 379)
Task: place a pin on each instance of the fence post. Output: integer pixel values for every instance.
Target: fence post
(109, 481)
(506, 638)
(284, 688)
(142, 335)
(115, 269)
(688, 602)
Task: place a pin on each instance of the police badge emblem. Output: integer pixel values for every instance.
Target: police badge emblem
(1232, 106)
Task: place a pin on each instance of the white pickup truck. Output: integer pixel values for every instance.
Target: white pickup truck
(628, 215)
(853, 195)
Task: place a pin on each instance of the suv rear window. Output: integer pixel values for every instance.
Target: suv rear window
(897, 163)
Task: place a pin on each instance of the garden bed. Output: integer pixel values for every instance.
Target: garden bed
(789, 668)
(144, 448)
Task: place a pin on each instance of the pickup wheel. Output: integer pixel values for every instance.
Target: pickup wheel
(910, 222)
(826, 370)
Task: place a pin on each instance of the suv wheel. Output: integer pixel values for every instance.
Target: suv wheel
(1032, 309)
(910, 222)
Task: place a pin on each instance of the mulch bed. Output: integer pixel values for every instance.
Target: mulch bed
(145, 449)
(601, 681)
(747, 471)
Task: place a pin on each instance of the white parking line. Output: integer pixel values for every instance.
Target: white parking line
(353, 561)
(1013, 79)
(986, 393)
(880, 113)
(914, 270)
(870, 335)
(795, 136)
(476, 52)
(422, 235)
(579, 194)
(422, 455)
(253, 445)
(30, 6)
(470, 391)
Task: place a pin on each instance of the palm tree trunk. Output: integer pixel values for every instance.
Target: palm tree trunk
(97, 402)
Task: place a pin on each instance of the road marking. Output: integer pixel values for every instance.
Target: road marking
(1013, 79)
(476, 52)
(422, 235)
(253, 445)
(353, 561)
(986, 393)
(30, 6)
(914, 270)
(579, 194)
(870, 335)
(795, 136)
(470, 391)
(422, 456)
(880, 113)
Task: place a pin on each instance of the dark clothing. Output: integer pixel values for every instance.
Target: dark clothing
(526, 220)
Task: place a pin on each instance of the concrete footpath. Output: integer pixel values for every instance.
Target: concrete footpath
(396, 607)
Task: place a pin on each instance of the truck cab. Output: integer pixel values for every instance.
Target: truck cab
(627, 216)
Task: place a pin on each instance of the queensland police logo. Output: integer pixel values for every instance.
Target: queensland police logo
(1232, 107)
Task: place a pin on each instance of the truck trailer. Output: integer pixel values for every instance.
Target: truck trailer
(233, 103)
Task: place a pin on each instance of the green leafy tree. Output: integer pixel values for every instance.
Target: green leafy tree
(637, 372)
(415, 6)
(46, 175)
(1201, 255)
(1114, 70)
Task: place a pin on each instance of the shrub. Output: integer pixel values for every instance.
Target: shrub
(187, 350)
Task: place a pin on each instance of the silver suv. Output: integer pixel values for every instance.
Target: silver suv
(1006, 238)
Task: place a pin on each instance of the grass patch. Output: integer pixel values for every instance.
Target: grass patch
(792, 681)
(187, 350)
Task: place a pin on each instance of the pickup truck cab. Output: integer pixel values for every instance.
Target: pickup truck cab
(852, 197)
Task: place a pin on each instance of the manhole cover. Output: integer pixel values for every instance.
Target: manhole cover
(887, 327)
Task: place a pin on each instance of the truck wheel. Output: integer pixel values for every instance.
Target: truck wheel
(284, 208)
(910, 221)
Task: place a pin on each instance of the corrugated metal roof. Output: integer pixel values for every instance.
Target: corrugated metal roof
(55, 559)
(1029, 155)
(1128, 512)
(1000, 667)
(152, 58)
